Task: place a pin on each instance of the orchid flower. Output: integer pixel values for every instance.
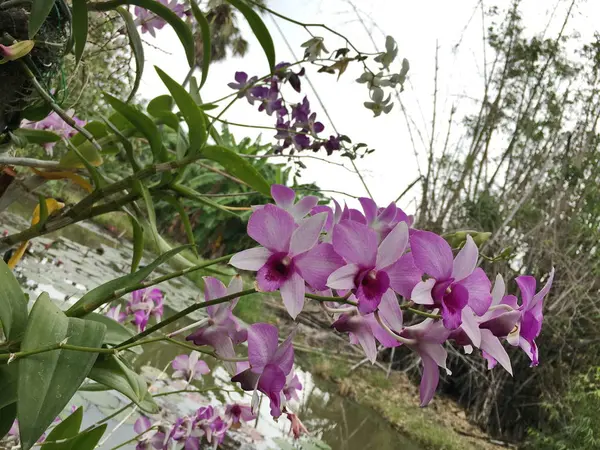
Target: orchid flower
(453, 284)
(529, 324)
(116, 314)
(270, 365)
(189, 367)
(364, 330)
(151, 22)
(236, 413)
(426, 339)
(222, 330)
(368, 266)
(292, 386)
(145, 304)
(382, 220)
(285, 198)
(289, 255)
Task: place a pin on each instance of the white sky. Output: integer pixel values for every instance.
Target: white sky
(416, 26)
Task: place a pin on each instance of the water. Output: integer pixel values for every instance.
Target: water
(82, 257)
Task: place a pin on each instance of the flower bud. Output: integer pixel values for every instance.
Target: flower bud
(15, 51)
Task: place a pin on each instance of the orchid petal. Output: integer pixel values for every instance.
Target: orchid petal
(262, 345)
(317, 264)
(307, 234)
(466, 260)
(303, 207)
(470, 326)
(421, 293)
(283, 196)
(272, 227)
(432, 254)
(392, 247)
(370, 209)
(292, 293)
(343, 278)
(404, 275)
(539, 297)
(429, 380)
(284, 356)
(478, 285)
(527, 286)
(452, 306)
(390, 312)
(251, 259)
(498, 291)
(271, 383)
(180, 362)
(493, 347)
(355, 242)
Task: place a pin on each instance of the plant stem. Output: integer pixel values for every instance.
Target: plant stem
(322, 298)
(185, 312)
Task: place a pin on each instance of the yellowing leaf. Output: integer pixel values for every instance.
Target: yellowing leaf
(51, 206)
(80, 181)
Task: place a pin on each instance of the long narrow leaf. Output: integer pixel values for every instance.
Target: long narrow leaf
(143, 124)
(259, 29)
(206, 45)
(137, 48)
(39, 12)
(80, 27)
(191, 112)
(13, 306)
(238, 167)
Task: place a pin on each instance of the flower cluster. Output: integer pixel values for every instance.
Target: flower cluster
(297, 126)
(381, 266)
(189, 432)
(143, 305)
(150, 22)
(53, 122)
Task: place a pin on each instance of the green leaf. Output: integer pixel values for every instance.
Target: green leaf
(72, 160)
(192, 114)
(115, 332)
(96, 129)
(195, 92)
(115, 374)
(104, 292)
(80, 26)
(259, 29)
(205, 33)
(7, 418)
(238, 167)
(145, 192)
(65, 429)
(137, 48)
(126, 144)
(13, 306)
(87, 440)
(39, 12)
(138, 243)
(193, 195)
(48, 380)
(142, 123)
(8, 384)
(160, 107)
(37, 136)
(37, 111)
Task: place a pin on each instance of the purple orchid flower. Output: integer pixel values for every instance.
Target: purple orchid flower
(301, 111)
(285, 198)
(454, 283)
(529, 324)
(271, 101)
(364, 330)
(116, 314)
(332, 144)
(150, 440)
(368, 268)
(151, 22)
(243, 85)
(236, 413)
(189, 367)
(184, 434)
(301, 142)
(53, 122)
(289, 255)
(270, 364)
(145, 304)
(222, 330)
(382, 220)
(426, 339)
(292, 386)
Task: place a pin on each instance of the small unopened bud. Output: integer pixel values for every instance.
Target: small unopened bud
(15, 51)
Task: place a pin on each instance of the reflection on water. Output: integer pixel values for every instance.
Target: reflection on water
(72, 265)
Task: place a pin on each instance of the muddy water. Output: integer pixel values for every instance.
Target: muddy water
(68, 264)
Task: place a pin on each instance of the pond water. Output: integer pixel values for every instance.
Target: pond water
(67, 265)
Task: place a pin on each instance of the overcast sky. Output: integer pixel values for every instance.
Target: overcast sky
(417, 26)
